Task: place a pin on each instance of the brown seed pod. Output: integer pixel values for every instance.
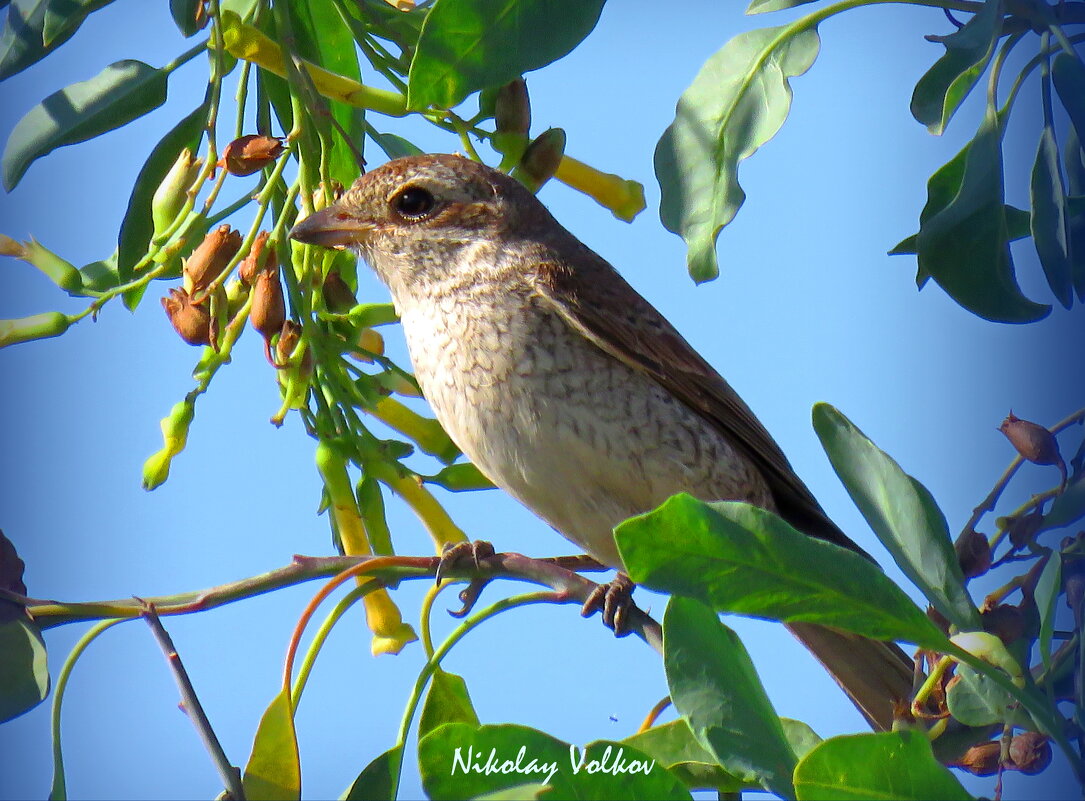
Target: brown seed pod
(1005, 621)
(255, 261)
(980, 760)
(268, 306)
(210, 258)
(191, 321)
(973, 553)
(251, 153)
(337, 295)
(1034, 442)
(1030, 752)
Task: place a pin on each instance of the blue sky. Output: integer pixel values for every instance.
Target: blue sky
(808, 308)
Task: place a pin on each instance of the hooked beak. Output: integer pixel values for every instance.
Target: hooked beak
(331, 228)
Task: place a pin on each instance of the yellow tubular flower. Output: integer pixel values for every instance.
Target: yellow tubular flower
(382, 615)
(426, 432)
(433, 516)
(250, 44)
(624, 198)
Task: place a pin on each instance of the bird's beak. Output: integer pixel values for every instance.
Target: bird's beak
(332, 228)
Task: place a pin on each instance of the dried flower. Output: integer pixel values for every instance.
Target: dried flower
(191, 321)
(1030, 752)
(251, 153)
(981, 760)
(1034, 442)
(210, 258)
(973, 553)
(268, 306)
(1006, 621)
(256, 260)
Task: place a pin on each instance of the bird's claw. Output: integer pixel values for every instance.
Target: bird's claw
(615, 600)
(462, 554)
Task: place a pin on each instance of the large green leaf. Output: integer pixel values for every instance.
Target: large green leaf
(137, 226)
(114, 97)
(463, 761)
(1018, 226)
(1074, 160)
(274, 769)
(739, 558)
(901, 513)
(764, 6)
(944, 87)
(897, 765)
(737, 102)
(715, 688)
(467, 45)
(447, 701)
(24, 673)
(35, 28)
(1068, 75)
(1049, 218)
(379, 780)
(184, 15)
(975, 700)
(963, 241)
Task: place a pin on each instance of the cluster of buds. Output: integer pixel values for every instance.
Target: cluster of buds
(1029, 753)
(189, 307)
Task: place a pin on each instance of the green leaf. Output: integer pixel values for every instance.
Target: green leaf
(1068, 75)
(963, 241)
(24, 672)
(379, 780)
(715, 688)
(1046, 594)
(1049, 215)
(517, 793)
(274, 770)
(137, 226)
(675, 748)
(462, 761)
(114, 97)
(322, 38)
(944, 87)
(897, 765)
(1018, 226)
(1074, 161)
(737, 102)
(764, 6)
(739, 558)
(1068, 506)
(184, 16)
(901, 513)
(447, 701)
(394, 147)
(35, 28)
(975, 700)
(467, 45)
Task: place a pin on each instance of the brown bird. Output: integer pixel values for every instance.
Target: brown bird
(566, 387)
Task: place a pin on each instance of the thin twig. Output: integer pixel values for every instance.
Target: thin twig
(190, 703)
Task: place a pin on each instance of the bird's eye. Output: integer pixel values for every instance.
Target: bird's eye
(413, 203)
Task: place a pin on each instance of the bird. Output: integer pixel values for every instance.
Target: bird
(566, 387)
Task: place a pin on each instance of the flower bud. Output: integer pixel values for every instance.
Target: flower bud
(251, 153)
(210, 258)
(337, 295)
(541, 159)
(1005, 621)
(973, 553)
(512, 115)
(369, 342)
(980, 760)
(36, 326)
(1030, 752)
(1034, 442)
(62, 273)
(169, 199)
(268, 306)
(256, 260)
(191, 321)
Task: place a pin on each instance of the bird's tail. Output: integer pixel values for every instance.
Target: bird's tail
(877, 676)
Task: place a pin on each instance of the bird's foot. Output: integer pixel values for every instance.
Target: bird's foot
(615, 600)
(463, 554)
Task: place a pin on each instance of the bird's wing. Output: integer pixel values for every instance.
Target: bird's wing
(598, 303)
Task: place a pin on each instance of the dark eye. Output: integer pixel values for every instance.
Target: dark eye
(413, 203)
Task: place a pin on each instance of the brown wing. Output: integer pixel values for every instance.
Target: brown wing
(597, 302)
